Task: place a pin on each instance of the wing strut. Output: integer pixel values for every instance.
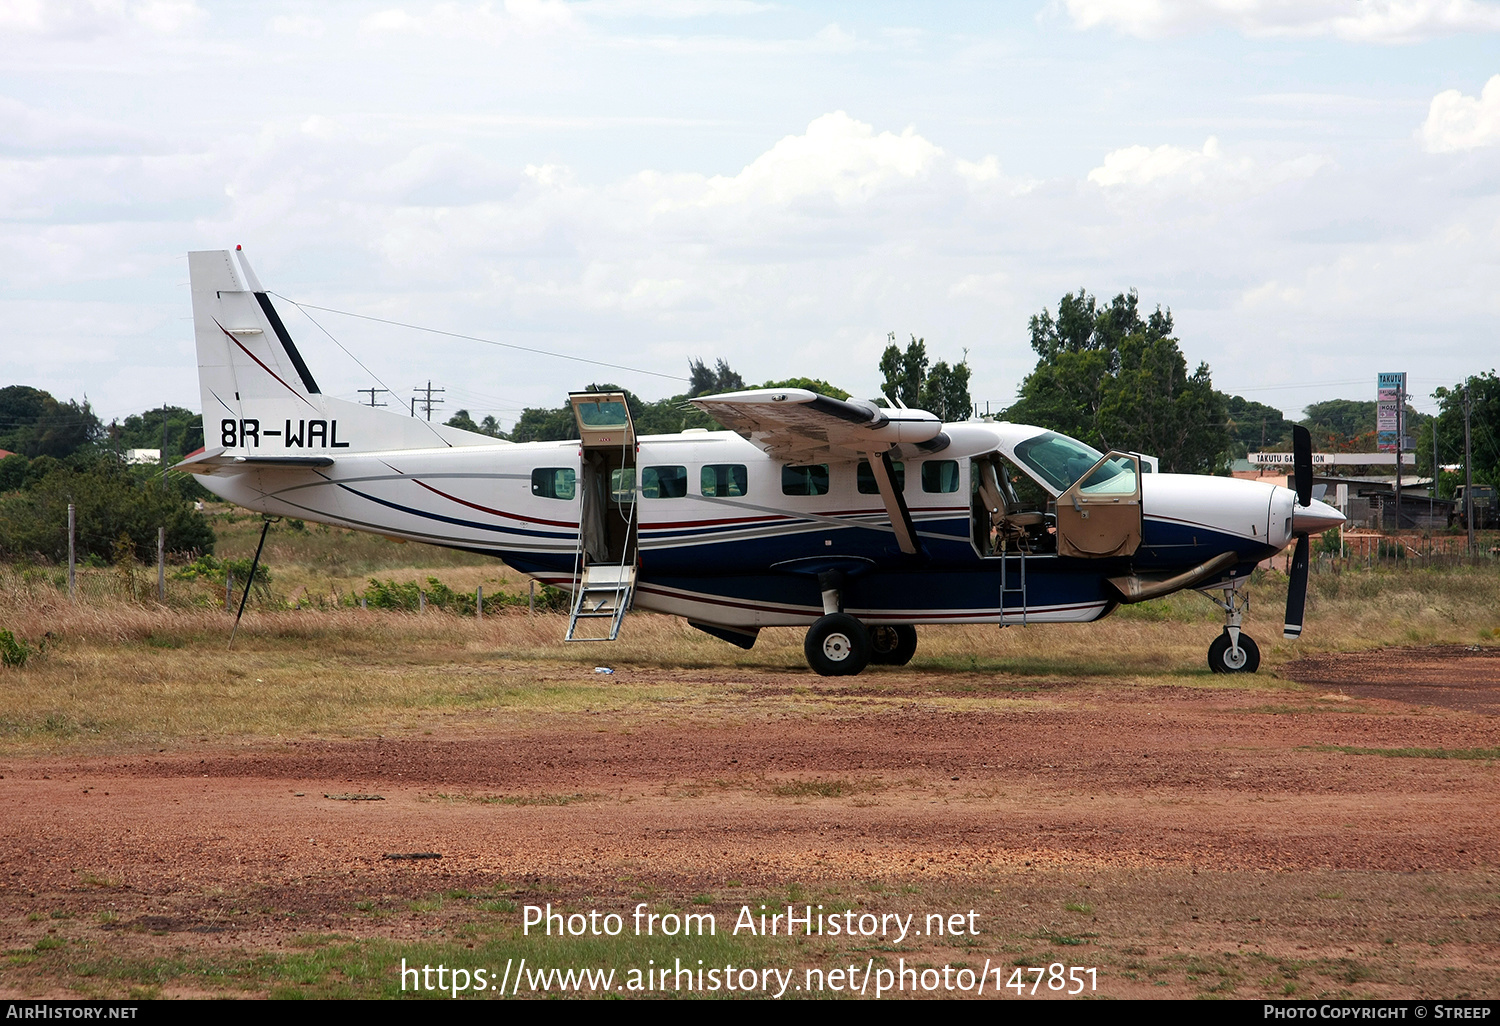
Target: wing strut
(895, 502)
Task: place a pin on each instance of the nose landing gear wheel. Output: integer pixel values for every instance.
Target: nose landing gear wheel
(892, 646)
(1222, 657)
(837, 645)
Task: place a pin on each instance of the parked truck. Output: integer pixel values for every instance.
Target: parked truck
(1486, 512)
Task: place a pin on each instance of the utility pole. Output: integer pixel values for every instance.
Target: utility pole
(164, 444)
(372, 392)
(72, 562)
(1468, 474)
(1432, 491)
(429, 401)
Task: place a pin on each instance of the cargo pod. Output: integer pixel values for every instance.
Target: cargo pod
(1099, 516)
(604, 575)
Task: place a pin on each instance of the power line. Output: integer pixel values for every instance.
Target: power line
(485, 341)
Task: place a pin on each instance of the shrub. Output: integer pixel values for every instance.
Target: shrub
(13, 651)
(110, 502)
(209, 567)
(390, 595)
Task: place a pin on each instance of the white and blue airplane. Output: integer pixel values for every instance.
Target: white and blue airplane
(859, 520)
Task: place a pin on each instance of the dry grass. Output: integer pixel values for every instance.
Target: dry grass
(127, 670)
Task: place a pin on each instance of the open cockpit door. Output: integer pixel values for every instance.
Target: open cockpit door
(604, 580)
(1099, 517)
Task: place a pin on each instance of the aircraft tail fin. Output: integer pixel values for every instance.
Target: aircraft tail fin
(244, 349)
(261, 404)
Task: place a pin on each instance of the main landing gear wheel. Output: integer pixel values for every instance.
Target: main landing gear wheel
(892, 646)
(1223, 658)
(837, 645)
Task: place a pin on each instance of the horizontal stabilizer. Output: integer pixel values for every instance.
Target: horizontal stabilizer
(216, 461)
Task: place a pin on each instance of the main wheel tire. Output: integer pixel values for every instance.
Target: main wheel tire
(837, 645)
(892, 646)
(1223, 659)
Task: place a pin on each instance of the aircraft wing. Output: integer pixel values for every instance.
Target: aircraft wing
(800, 426)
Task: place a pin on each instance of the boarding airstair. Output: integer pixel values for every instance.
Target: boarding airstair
(602, 592)
(1008, 588)
(605, 559)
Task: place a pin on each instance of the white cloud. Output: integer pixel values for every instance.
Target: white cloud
(1142, 165)
(1365, 21)
(670, 8)
(1458, 122)
(482, 21)
(83, 18)
(297, 25)
(837, 157)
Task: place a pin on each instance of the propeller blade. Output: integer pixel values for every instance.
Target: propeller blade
(1296, 590)
(1302, 463)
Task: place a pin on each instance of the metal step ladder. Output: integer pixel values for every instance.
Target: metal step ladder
(604, 592)
(1006, 589)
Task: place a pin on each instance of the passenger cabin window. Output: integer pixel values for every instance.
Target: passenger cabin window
(940, 476)
(723, 480)
(806, 480)
(553, 482)
(864, 478)
(664, 482)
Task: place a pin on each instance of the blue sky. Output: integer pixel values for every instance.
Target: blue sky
(1312, 187)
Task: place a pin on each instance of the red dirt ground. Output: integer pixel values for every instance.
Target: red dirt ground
(1092, 777)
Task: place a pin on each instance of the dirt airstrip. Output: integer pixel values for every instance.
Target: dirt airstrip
(1344, 824)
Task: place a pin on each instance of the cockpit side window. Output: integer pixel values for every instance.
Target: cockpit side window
(1057, 459)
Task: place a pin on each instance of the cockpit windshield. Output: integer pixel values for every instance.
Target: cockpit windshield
(1057, 459)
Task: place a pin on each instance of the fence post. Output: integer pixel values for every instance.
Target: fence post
(364, 602)
(228, 590)
(72, 562)
(421, 601)
(531, 599)
(161, 564)
(479, 602)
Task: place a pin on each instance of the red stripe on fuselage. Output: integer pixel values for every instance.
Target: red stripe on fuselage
(496, 512)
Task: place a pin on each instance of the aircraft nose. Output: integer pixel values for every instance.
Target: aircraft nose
(1316, 518)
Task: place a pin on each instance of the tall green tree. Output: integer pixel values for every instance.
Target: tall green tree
(705, 381)
(943, 390)
(488, 426)
(903, 371)
(184, 431)
(1256, 427)
(1117, 380)
(1484, 430)
(33, 423)
(817, 385)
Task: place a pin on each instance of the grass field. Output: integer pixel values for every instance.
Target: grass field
(117, 669)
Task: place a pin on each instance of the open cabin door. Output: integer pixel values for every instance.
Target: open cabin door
(604, 578)
(1099, 517)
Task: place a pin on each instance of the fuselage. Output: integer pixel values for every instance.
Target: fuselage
(724, 534)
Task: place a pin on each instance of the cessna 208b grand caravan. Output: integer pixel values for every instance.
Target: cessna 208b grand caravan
(859, 520)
